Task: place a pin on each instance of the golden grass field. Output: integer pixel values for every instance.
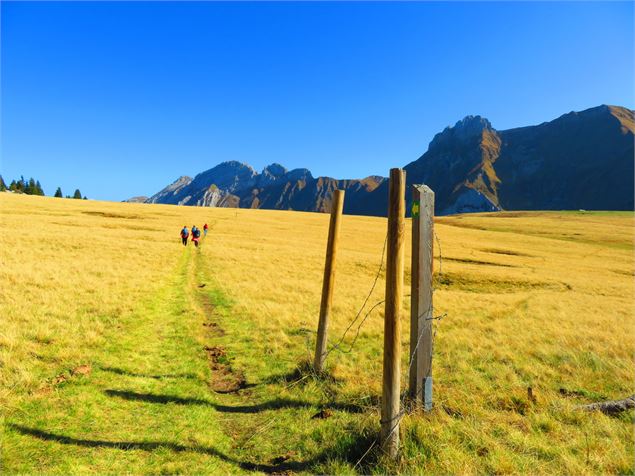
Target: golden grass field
(124, 352)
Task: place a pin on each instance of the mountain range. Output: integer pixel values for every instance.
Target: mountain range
(581, 160)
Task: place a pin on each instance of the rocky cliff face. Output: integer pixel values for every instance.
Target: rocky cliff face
(580, 160)
(460, 162)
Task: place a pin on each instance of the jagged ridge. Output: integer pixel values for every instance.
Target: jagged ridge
(234, 184)
(579, 160)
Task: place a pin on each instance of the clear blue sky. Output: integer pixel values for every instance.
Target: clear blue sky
(119, 99)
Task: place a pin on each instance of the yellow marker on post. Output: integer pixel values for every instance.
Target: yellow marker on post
(415, 209)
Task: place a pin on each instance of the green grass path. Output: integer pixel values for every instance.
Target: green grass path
(184, 386)
(143, 408)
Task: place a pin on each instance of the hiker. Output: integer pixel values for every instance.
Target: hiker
(205, 229)
(184, 235)
(196, 234)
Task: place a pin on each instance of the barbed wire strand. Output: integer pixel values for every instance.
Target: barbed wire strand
(361, 309)
(350, 349)
(337, 346)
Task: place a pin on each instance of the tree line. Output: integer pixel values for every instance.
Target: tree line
(33, 187)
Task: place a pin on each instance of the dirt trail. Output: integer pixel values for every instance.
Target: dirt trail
(228, 385)
(224, 379)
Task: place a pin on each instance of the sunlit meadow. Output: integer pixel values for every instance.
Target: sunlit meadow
(124, 352)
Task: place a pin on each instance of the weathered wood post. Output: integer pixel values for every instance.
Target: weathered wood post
(329, 279)
(390, 411)
(420, 378)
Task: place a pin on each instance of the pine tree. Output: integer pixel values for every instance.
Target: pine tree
(29, 189)
(38, 188)
(77, 194)
(3, 186)
(13, 186)
(85, 197)
(58, 193)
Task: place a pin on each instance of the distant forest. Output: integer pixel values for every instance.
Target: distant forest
(33, 187)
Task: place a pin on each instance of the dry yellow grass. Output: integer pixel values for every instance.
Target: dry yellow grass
(69, 269)
(532, 299)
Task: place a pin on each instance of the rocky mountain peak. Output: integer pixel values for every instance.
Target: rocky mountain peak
(172, 190)
(230, 165)
(179, 183)
(139, 199)
(299, 174)
(270, 174)
(275, 170)
(471, 125)
(462, 131)
(183, 179)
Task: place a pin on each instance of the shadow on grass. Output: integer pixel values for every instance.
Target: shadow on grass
(301, 374)
(118, 371)
(351, 451)
(277, 404)
(241, 385)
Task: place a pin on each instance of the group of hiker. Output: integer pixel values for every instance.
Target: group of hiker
(195, 233)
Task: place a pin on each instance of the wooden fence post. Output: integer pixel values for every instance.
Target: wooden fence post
(329, 279)
(421, 312)
(390, 411)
